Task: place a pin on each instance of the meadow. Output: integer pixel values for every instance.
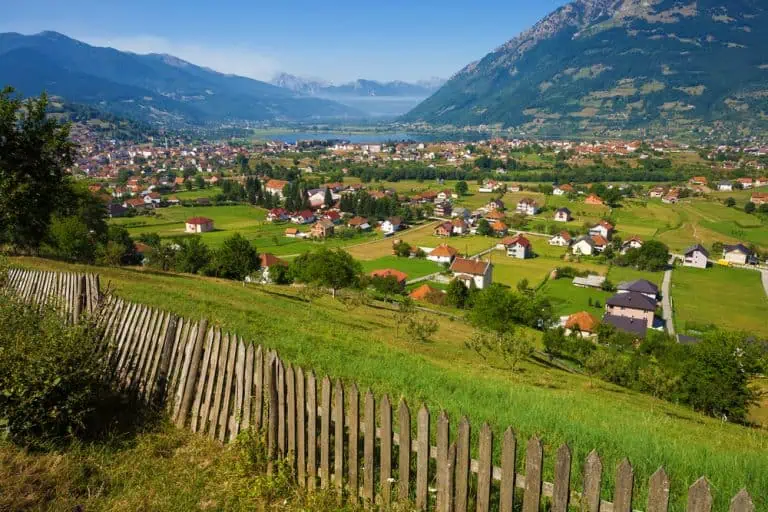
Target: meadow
(361, 345)
(728, 297)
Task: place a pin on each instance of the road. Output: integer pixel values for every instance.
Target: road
(666, 301)
(764, 273)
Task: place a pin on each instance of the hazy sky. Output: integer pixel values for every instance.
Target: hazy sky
(337, 40)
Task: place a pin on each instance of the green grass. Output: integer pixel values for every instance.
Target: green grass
(414, 267)
(360, 345)
(728, 297)
(567, 299)
(619, 274)
(191, 195)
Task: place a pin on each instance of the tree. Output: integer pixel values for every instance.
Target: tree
(484, 228)
(512, 347)
(750, 207)
(236, 259)
(199, 182)
(162, 256)
(192, 256)
(119, 249)
(71, 240)
(461, 188)
(387, 286)
(330, 269)
(405, 310)
(328, 200)
(457, 294)
(35, 152)
(730, 202)
(403, 249)
(421, 328)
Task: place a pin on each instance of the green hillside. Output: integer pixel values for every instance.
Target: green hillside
(619, 67)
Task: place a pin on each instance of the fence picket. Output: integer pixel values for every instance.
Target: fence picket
(271, 379)
(368, 448)
(229, 375)
(385, 417)
(508, 471)
(593, 475)
(192, 372)
(201, 407)
(404, 454)
(281, 436)
(742, 502)
(699, 497)
(325, 433)
(484, 469)
(258, 391)
(301, 427)
(338, 448)
(353, 455)
(312, 430)
(290, 384)
(658, 492)
(622, 495)
(534, 464)
(245, 422)
(236, 412)
(561, 490)
(422, 459)
(443, 433)
(460, 499)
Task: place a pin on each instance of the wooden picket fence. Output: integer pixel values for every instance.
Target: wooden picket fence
(217, 384)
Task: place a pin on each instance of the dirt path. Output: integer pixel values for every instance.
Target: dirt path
(666, 301)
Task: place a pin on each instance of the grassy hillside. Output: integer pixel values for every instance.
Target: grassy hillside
(360, 345)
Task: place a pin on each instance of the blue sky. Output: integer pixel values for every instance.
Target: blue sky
(338, 40)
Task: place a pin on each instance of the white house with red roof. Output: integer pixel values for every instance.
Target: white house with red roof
(475, 273)
(199, 225)
(518, 247)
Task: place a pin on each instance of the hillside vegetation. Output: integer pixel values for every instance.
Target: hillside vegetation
(359, 344)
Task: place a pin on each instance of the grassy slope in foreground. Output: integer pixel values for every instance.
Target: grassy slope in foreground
(359, 346)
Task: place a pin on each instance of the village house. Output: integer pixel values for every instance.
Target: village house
(444, 229)
(527, 206)
(332, 216)
(563, 215)
(360, 223)
(698, 180)
(761, 181)
(460, 227)
(738, 254)
(136, 204)
(583, 324)
(634, 242)
(657, 192)
(602, 228)
(562, 190)
(594, 200)
(277, 215)
(490, 186)
(632, 305)
(583, 246)
(759, 198)
(642, 286)
(499, 228)
(460, 212)
(269, 261)
(322, 229)
(427, 293)
(443, 253)
(494, 215)
(400, 277)
(518, 247)
(291, 232)
(634, 326)
(672, 197)
(473, 272)
(745, 183)
(116, 210)
(173, 201)
(303, 217)
(442, 209)
(725, 186)
(695, 256)
(562, 239)
(391, 225)
(275, 187)
(497, 205)
(515, 187)
(153, 199)
(199, 225)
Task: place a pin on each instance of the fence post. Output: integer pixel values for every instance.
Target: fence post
(404, 457)
(443, 433)
(386, 451)
(353, 464)
(462, 466)
(622, 496)
(658, 492)
(593, 474)
(271, 375)
(699, 497)
(368, 448)
(338, 449)
(165, 362)
(422, 459)
(561, 492)
(485, 469)
(508, 472)
(194, 368)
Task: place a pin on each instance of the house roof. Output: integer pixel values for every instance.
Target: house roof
(276, 184)
(465, 266)
(737, 248)
(495, 215)
(519, 239)
(447, 226)
(583, 321)
(563, 210)
(269, 259)
(498, 226)
(357, 221)
(564, 235)
(639, 286)
(395, 221)
(629, 325)
(444, 251)
(527, 201)
(632, 300)
(695, 248)
(324, 223)
(387, 272)
(199, 220)
(599, 240)
(422, 292)
(586, 239)
(291, 231)
(605, 224)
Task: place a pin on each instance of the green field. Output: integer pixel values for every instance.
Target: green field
(191, 195)
(727, 297)
(360, 345)
(414, 267)
(567, 299)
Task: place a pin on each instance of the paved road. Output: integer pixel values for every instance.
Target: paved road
(666, 301)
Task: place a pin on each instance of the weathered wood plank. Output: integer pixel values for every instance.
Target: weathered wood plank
(218, 390)
(338, 449)
(271, 386)
(508, 471)
(290, 385)
(325, 434)
(353, 456)
(593, 476)
(245, 422)
(742, 502)
(368, 449)
(311, 430)
(159, 389)
(622, 495)
(151, 381)
(192, 374)
(258, 392)
(699, 497)
(236, 412)
(561, 492)
(422, 459)
(534, 465)
(404, 453)
(229, 377)
(485, 469)
(658, 492)
(443, 433)
(385, 417)
(186, 364)
(301, 427)
(177, 360)
(461, 490)
(281, 423)
(201, 407)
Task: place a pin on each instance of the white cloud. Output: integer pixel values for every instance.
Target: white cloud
(238, 60)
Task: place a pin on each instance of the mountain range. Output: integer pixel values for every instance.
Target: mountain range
(619, 67)
(155, 87)
(374, 97)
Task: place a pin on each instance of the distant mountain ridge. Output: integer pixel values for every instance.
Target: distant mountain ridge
(371, 96)
(619, 67)
(157, 88)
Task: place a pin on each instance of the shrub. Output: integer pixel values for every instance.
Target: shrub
(51, 375)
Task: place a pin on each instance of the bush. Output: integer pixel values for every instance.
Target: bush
(51, 376)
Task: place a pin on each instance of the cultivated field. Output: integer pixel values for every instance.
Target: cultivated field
(361, 345)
